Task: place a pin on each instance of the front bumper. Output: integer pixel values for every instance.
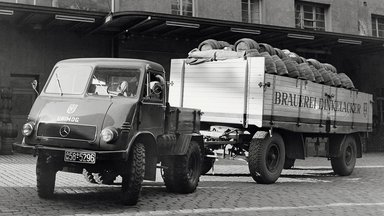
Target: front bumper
(59, 152)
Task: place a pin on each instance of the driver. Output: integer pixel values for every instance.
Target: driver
(122, 89)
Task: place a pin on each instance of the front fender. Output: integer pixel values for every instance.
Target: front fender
(149, 141)
(179, 144)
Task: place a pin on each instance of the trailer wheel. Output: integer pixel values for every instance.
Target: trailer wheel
(133, 178)
(45, 177)
(183, 172)
(289, 162)
(266, 159)
(345, 164)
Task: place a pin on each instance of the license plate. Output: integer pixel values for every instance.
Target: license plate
(80, 157)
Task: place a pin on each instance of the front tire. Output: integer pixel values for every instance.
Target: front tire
(183, 172)
(345, 164)
(133, 178)
(45, 177)
(266, 158)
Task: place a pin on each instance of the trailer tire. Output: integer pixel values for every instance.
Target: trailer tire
(183, 172)
(133, 178)
(289, 162)
(45, 177)
(266, 159)
(345, 164)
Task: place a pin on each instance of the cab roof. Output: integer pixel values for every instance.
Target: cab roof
(114, 62)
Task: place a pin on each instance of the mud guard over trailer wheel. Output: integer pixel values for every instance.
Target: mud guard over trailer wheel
(266, 158)
(133, 178)
(345, 163)
(45, 176)
(183, 171)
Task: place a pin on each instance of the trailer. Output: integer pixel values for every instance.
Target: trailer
(269, 119)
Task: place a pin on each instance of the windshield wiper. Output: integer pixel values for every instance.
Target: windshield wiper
(58, 82)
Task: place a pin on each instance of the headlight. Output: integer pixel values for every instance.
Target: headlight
(108, 134)
(27, 129)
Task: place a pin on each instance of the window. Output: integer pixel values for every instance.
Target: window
(68, 80)
(154, 87)
(377, 26)
(182, 7)
(310, 16)
(250, 10)
(114, 82)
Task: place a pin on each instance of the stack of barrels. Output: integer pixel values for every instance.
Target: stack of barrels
(284, 62)
(8, 131)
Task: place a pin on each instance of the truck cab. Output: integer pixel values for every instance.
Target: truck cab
(108, 117)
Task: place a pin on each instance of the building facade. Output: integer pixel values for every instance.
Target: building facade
(34, 34)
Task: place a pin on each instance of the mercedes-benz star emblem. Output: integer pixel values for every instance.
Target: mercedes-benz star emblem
(64, 131)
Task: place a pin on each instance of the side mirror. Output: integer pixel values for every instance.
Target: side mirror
(34, 86)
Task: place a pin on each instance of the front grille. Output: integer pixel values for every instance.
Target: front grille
(78, 132)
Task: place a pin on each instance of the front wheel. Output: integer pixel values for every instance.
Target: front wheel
(45, 177)
(183, 172)
(345, 164)
(134, 176)
(266, 158)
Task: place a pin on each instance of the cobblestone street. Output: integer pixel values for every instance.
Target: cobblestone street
(310, 188)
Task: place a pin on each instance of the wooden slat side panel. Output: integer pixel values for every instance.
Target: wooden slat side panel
(255, 91)
(174, 97)
(347, 110)
(217, 88)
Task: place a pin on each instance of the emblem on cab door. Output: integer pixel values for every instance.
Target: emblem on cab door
(64, 131)
(72, 108)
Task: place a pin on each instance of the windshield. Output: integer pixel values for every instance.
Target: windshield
(69, 79)
(114, 81)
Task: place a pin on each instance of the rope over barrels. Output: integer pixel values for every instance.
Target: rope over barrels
(277, 61)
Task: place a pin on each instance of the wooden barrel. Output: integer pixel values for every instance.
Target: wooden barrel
(306, 72)
(6, 93)
(246, 44)
(209, 44)
(291, 67)
(8, 130)
(316, 73)
(270, 66)
(336, 80)
(267, 48)
(326, 76)
(6, 146)
(346, 82)
(5, 115)
(280, 66)
(280, 53)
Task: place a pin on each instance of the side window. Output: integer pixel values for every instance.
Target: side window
(155, 85)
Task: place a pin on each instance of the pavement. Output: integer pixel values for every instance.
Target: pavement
(310, 188)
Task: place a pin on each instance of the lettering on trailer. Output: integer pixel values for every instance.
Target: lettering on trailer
(294, 100)
(67, 119)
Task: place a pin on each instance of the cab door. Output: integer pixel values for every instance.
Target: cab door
(152, 105)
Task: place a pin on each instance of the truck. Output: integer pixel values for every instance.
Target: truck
(109, 117)
(271, 120)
